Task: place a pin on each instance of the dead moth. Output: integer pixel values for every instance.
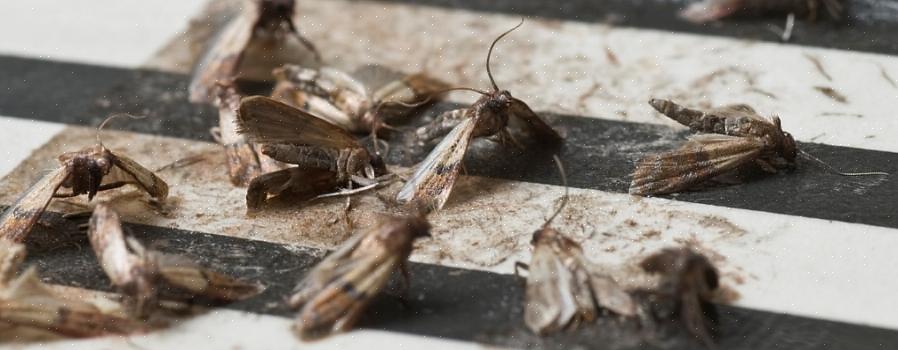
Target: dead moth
(489, 116)
(27, 302)
(245, 161)
(683, 294)
(335, 293)
(734, 137)
(87, 171)
(143, 276)
(711, 10)
(563, 289)
(260, 32)
(359, 102)
(325, 153)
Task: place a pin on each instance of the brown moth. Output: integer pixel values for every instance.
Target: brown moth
(335, 293)
(360, 102)
(260, 32)
(87, 171)
(320, 149)
(711, 10)
(687, 282)
(141, 275)
(733, 136)
(489, 116)
(245, 160)
(27, 302)
(563, 288)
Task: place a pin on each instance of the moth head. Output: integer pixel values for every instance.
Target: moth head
(500, 101)
(543, 235)
(788, 149)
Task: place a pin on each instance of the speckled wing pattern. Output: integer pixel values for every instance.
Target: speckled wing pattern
(333, 295)
(18, 220)
(432, 182)
(563, 291)
(702, 158)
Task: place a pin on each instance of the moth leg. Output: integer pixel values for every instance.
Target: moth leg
(305, 42)
(518, 266)
(505, 137)
(261, 186)
(216, 135)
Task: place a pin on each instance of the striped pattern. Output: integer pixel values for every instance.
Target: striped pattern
(805, 255)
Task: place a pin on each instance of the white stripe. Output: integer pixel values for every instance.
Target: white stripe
(108, 32)
(19, 137)
(229, 329)
(797, 265)
(555, 65)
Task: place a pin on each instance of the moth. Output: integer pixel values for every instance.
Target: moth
(335, 293)
(563, 289)
(143, 275)
(324, 153)
(687, 282)
(434, 178)
(733, 137)
(245, 161)
(260, 32)
(361, 101)
(711, 10)
(27, 302)
(87, 171)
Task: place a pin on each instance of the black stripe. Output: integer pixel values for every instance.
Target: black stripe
(870, 25)
(598, 153)
(442, 302)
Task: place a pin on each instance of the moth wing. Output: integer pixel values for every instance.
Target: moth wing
(611, 295)
(433, 180)
(138, 175)
(339, 304)
(709, 10)
(264, 120)
(540, 129)
(386, 84)
(326, 271)
(222, 58)
(28, 302)
(733, 120)
(18, 220)
(200, 281)
(700, 159)
(550, 301)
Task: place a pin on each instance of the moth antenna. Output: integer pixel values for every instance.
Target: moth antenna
(110, 118)
(490, 53)
(566, 189)
(834, 170)
(432, 94)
